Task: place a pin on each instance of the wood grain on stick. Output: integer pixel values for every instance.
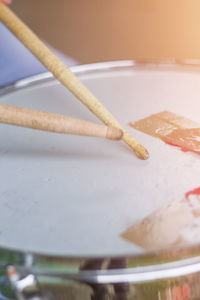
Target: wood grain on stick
(64, 75)
(55, 123)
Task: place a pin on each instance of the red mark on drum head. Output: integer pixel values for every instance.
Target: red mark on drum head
(184, 149)
(193, 192)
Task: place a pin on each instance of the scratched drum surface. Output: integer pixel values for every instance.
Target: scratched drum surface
(74, 196)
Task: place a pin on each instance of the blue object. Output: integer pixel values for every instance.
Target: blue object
(16, 61)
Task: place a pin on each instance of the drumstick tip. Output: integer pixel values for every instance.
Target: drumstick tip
(141, 152)
(114, 133)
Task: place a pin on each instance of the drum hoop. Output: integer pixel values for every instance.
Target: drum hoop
(133, 275)
(98, 67)
(180, 267)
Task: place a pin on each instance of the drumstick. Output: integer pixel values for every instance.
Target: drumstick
(56, 123)
(65, 75)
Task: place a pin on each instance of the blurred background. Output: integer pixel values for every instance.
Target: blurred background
(93, 31)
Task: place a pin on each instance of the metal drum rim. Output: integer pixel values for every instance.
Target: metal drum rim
(97, 67)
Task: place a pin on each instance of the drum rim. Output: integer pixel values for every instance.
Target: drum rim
(174, 265)
(97, 67)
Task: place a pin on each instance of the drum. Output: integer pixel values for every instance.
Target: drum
(66, 200)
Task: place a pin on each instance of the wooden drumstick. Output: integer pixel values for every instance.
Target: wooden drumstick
(55, 123)
(65, 76)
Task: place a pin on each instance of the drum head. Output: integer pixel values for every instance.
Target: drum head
(74, 196)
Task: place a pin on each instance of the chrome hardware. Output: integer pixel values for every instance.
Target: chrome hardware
(25, 288)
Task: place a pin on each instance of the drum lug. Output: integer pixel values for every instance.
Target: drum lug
(25, 287)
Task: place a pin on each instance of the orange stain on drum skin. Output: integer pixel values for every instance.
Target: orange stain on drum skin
(186, 139)
(173, 129)
(162, 228)
(171, 225)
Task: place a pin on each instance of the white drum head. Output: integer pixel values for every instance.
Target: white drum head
(73, 196)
